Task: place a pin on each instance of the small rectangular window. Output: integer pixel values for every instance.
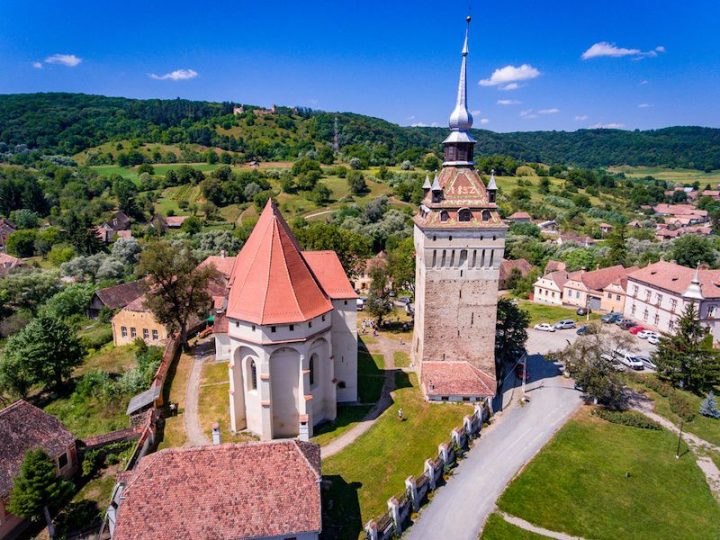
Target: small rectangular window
(123, 331)
(309, 324)
(62, 461)
(273, 329)
(253, 327)
(146, 333)
(133, 332)
(155, 334)
(292, 327)
(323, 317)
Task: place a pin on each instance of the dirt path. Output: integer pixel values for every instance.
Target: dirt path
(526, 525)
(386, 347)
(193, 430)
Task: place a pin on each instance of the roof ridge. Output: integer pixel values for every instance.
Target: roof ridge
(296, 444)
(287, 268)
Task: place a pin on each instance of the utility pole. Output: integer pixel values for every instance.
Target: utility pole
(677, 452)
(524, 377)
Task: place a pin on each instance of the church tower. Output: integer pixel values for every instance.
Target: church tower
(459, 243)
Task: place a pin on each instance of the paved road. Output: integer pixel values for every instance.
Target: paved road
(459, 509)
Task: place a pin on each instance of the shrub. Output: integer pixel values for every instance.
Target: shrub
(682, 406)
(709, 407)
(627, 418)
(97, 339)
(662, 388)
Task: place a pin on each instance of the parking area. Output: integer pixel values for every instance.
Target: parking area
(545, 342)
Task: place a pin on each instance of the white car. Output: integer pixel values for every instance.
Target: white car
(654, 340)
(628, 359)
(545, 327)
(647, 362)
(646, 334)
(562, 325)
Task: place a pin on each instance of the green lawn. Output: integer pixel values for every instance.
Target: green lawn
(496, 528)
(175, 391)
(347, 417)
(401, 359)
(606, 481)
(367, 473)
(371, 376)
(110, 359)
(90, 416)
(551, 314)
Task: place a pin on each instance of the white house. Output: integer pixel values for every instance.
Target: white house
(548, 289)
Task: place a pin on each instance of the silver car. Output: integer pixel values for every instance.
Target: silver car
(564, 325)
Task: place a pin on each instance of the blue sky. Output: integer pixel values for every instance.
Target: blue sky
(654, 64)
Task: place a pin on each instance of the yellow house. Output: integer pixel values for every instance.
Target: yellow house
(613, 298)
(136, 321)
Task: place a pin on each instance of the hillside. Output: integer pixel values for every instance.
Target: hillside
(60, 123)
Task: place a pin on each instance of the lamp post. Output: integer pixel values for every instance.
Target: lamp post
(677, 451)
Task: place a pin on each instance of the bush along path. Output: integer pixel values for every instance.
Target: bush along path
(697, 446)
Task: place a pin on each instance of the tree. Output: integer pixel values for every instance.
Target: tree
(617, 245)
(351, 248)
(72, 300)
(177, 289)
(431, 163)
(47, 348)
(191, 225)
(510, 337)
(692, 250)
(38, 488)
(686, 358)
(356, 181)
(585, 359)
(24, 218)
(125, 191)
(21, 243)
(708, 407)
(379, 302)
(401, 265)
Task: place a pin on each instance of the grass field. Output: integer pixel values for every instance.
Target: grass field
(109, 359)
(678, 176)
(367, 473)
(174, 392)
(371, 376)
(347, 417)
(401, 359)
(496, 528)
(540, 313)
(606, 481)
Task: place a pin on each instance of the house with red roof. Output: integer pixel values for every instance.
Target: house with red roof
(658, 294)
(6, 229)
(8, 263)
(548, 289)
(287, 323)
(586, 289)
(519, 217)
(24, 427)
(225, 492)
(507, 266)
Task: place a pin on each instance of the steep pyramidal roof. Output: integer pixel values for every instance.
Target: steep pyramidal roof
(271, 283)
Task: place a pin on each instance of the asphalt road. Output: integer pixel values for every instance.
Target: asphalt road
(459, 509)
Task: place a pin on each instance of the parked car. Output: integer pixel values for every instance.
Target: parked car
(654, 340)
(565, 324)
(611, 318)
(635, 330)
(582, 330)
(645, 334)
(610, 359)
(647, 362)
(581, 311)
(360, 303)
(626, 324)
(545, 327)
(628, 359)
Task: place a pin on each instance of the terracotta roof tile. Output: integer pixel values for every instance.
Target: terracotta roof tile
(119, 296)
(24, 427)
(675, 278)
(456, 378)
(507, 265)
(271, 282)
(229, 491)
(329, 272)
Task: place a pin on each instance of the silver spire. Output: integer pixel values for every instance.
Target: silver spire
(491, 183)
(694, 290)
(461, 119)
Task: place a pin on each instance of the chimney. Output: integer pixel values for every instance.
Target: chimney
(216, 433)
(222, 253)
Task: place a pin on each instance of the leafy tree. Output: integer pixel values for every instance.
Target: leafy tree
(28, 289)
(356, 181)
(47, 238)
(191, 225)
(47, 347)
(379, 302)
(401, 265)
(24, 218)
(525, 229)
(126, 250)
(686, 358)
(177, 290)
(618, 247)
(510, 337)
(431, 163)
(708, 407)
(351, 248)
(325, 155)
(38, 488)
(72, 300)
(125, 191)
(21, 243)
(16, 379)
(692, 250)
(81, 233)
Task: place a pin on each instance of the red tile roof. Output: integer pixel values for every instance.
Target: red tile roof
(597, 280)
(456, 378)
(222, 264)
(553, 266)
(507, 265)
(24, 427)
(119, 296)
(229, 491)
(520, 215)
(271, 283)
(675, 278)
(329, 272)
(175, 221)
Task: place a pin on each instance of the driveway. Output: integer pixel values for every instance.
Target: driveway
(459, 509)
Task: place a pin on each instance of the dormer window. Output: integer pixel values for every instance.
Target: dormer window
(485, 215)
(464, 214)
(444, 216)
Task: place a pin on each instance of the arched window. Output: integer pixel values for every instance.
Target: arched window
(486, 215)
(463, 257)
(311, 367)
(444, 216)
(252, 374)
(464, 214)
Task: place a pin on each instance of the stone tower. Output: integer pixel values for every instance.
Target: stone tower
(459, 244)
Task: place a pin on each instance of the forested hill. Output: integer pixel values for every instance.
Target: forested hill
(59, 123)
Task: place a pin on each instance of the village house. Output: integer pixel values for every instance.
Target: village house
(605, 228)
(586, 289)
(554, 266)
(664, 232)
(163, 223)
(362, 282)
(548, 227)
(137, 321)
(574, 238)
(261, 490)
(8, 263)
(24, 427)
(115, 297)
(713, 194)
(519, 217)
(521, 266)
(548, 289)
(658, 294)
(287, 323)
(680, 214)
(111, 229)
(6, 229)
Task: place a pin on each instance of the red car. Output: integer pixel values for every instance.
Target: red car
(635, 329)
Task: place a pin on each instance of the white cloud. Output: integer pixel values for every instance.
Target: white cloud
(509, 75)
(37, 65)
(611, 125)
(410, 118)
(508, 102)
(177, 75)
(605, 48)
(644, 81)
(581, 117)
(644, 106)
(476, 112)
(528, 114)
(418, 124)
(484, 121)
(554, 110)
(69, 60)
(511, 86)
